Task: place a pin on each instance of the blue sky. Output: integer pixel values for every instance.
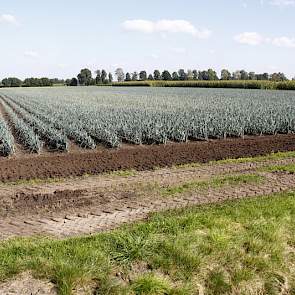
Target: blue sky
(57, 38)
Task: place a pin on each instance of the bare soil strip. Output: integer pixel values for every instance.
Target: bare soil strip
(139, 157)
(97, 203)
(26, 284)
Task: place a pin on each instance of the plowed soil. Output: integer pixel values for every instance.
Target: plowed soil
(139, 157)
(87, 205)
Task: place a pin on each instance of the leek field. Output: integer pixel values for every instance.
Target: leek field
(87, 116)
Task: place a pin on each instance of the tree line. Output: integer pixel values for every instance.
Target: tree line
(30, 82)
(101, 77)
(85, 78)
(207, 75)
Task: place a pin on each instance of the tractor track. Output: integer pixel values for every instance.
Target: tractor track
(77, 206)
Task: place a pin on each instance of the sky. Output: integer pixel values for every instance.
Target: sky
(57, 38)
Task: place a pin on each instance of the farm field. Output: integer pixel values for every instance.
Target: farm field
(146, 191)
(61, 132)
(229, 228)
(55, 118)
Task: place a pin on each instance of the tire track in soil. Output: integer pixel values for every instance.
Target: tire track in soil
(105, 202)
(165, 176)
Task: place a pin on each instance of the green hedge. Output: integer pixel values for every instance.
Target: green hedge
(248, 84)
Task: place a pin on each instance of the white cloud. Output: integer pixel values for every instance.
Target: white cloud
(283, 3)
(165, 26)
(8, 18)
(284, 42)
(31, 54)
(254, 38)
(249, 38)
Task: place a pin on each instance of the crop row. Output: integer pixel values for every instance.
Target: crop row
(92, 115)
(54, 139)
(6, 139)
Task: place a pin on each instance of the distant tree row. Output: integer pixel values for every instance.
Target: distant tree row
(30, 82)
(85, 78)
(101, 77)
(209, 75)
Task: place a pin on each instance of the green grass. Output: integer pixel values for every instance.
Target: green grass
(269, 157)
(188, 165)
(216, 182)
(289, 168)
(33, 181)
(122, 173)
(241, 247)
(256, 159)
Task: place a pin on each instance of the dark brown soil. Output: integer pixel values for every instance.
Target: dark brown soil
(140, 157)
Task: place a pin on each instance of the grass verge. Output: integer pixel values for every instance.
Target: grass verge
(256, 159)
(216, 182)
(34, 181)
(289, 168)
(241, 247)
(123, 173)
(270, 157)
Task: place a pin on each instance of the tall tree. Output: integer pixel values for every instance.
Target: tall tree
(252, 76)
(143, 75)
(225, 74)
(212, 75)
(134, 76)
(190, 75)
(103, 76)
(150, 77)
(157, 75)
(244, 75)
(166, 76)
(128, 77)
(265, 76)
(120, 74)
(237, 75)
(278, 77)
(11, 82)
(98, 77)
(110, 77)
(85, 77)
(195, 75)
(182, 75)
(175, 76)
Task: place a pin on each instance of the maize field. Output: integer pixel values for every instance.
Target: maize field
(88, 116)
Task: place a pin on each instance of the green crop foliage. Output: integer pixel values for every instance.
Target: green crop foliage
(247, 84)
(140, 115)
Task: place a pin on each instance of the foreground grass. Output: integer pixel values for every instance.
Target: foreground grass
(257, 159)
(242, 247)
(289, 168)
(216, 182)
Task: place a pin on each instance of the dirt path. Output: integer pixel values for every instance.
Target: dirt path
(91, 204)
